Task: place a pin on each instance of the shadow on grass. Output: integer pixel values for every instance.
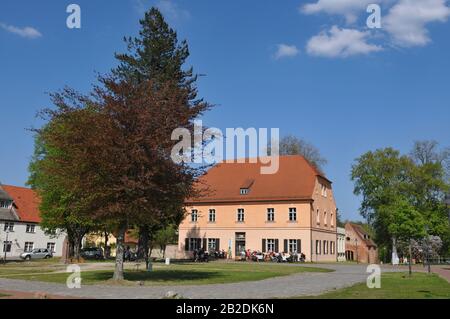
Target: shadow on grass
(165, 276)
(172, 275)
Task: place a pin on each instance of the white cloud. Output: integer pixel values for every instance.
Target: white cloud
(168, 8)
(406, 21)
(341, 43)
(285, 50)
(347, 8)
(172, 10)
(26, 32)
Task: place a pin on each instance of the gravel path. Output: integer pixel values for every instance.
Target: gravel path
(301, 284)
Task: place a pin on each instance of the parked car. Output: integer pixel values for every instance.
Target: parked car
(38, 253)
(92, 253)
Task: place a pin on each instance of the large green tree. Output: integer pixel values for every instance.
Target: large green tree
(384, 176)
(52, 173)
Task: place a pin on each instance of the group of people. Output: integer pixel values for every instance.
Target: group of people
(203, 255)
(258, 256)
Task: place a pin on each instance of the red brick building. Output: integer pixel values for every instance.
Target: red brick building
(359, 246)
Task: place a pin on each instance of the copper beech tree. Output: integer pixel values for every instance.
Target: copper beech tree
(114, 153)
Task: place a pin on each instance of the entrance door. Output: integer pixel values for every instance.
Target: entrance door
(240, 244)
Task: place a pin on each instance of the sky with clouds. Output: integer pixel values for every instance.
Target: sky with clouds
(311, 68)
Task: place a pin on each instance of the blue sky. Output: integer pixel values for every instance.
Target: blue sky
(311, 68)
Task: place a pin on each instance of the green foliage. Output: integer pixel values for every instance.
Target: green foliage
(165, 236)
(405, 222)
(395, 188)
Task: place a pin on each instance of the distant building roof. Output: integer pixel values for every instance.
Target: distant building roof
(26, 203)
(7, 215)
(295, 180)
(363, 234)
(4, 195)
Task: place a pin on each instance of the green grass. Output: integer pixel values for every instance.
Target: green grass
(182, 274)
(3, 295)
(396, 286)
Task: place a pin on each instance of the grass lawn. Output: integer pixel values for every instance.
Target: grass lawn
(396, 286)
(3, 295)
(182, 274)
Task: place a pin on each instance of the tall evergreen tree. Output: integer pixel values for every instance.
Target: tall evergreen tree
(158, 56)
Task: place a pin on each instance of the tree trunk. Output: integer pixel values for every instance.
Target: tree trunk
(106, 245)
(77, 250)
(410, 258)
(143, 242)
(118, 271)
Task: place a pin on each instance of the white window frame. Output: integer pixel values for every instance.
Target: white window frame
(26, 247)
(194, 215)
(240, 215)
(31, 229)
(9, 226)
(212, 244)
(193, 244)
(293, 246)
(7, 244)
(293, 214)
(245, 191)
(270, 245)
(270, 215)
(52, 248)
(212, 215)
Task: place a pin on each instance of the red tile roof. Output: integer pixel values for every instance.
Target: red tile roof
(295, 180)
(26, 203)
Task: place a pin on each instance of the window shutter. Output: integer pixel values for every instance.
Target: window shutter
(285, 246)
(263, 245)
(205, 244)
(277, 245)
(186, 244)
(299, 246)
(217, 244)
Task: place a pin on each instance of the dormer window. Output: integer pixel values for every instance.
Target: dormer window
(245, 187)
(245, 191)
(5, 203)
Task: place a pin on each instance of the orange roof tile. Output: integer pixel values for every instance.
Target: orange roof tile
(26, 202)
(295, 180)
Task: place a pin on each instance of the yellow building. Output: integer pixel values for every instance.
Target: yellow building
(292, 210)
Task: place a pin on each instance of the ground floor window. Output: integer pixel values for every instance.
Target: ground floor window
(318, 247)
(51, 247)
(294, 246)
(332, 248)
(270, 245)
(325, 247)
(192, 244)
(213, 244)
(349, 255)
(7, 246)
(28, 246)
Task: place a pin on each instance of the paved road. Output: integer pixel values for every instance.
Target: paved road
(302, 284)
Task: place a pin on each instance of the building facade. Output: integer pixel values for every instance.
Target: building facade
(292, 211)
(359, 246)
(19, 224)
(341, 244)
